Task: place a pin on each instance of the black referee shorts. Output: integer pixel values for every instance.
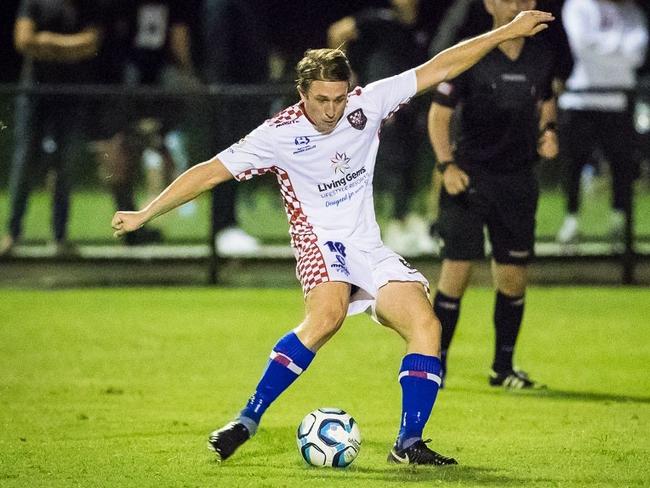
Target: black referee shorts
(505, 204)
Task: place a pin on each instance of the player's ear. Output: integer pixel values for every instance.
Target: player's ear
(303, 95)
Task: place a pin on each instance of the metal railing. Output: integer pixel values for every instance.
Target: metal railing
(627, 254)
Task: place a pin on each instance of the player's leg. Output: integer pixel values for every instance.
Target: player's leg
(510, 283)
(512, 233)
(325, 309)
(405, 308)
(68, 127)
(453, 281)
(326, 306)
(461, 228)
(576, 138)
(27, 130)
(618, 138)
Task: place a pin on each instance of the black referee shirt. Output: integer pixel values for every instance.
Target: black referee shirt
(497, 108)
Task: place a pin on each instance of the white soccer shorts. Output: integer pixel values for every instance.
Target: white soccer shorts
(323, 260)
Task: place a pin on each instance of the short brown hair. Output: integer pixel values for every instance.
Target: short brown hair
(322, 65)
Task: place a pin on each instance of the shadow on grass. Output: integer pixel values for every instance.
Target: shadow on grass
(270, 465)
(582, 396)
(471, 475)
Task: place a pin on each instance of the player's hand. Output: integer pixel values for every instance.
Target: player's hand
(547, 146)
(124, 222)
(455, 180)
(529, 23)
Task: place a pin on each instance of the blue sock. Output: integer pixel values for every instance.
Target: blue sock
(420, 380)
(288, 360)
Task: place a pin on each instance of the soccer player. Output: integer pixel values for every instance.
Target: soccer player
(506, 120)
(322, 151)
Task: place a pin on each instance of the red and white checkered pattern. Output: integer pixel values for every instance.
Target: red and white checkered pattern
(286, 115)
(311, 268)
(293, 208)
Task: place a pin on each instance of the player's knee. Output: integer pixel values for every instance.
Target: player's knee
(512, 285)
(326, 323)
(425, 328)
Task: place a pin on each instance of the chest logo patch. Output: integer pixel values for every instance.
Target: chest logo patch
(358, 119)
(340, 163)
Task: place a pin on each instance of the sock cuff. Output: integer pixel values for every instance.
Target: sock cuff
(510, 300)
(445, 301)
(420, 362)
(249, 423)
(294, 349)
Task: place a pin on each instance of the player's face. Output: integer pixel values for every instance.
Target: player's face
(503, 11)
(324, 103)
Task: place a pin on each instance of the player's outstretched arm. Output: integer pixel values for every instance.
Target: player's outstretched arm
(453, 61)
(186, 187)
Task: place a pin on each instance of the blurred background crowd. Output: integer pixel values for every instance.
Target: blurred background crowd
(164, 65)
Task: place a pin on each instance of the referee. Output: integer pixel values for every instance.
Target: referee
(504, 116)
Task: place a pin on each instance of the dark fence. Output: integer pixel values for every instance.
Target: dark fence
(233, 111)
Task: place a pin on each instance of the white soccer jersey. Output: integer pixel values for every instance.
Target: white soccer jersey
(325, 179)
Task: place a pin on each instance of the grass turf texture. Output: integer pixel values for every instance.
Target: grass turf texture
(92, 211)
(120, 387)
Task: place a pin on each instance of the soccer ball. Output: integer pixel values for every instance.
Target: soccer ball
(328, 437)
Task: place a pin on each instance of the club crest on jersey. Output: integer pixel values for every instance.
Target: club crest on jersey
(358, 119)
(340, 163)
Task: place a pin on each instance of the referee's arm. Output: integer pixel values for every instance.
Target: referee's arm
(439, 128)
(454, 179)
(453, 61)
(548, 145)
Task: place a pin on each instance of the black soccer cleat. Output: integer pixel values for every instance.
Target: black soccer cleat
(419, 453)
(227, 439)
(514, 380)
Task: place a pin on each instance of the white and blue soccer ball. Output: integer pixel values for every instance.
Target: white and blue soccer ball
(329, 437)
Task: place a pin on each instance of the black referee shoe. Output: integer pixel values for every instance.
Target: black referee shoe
(419, 453)
(514, 380)
(227, 439)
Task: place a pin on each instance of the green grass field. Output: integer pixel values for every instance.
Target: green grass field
(120, 387)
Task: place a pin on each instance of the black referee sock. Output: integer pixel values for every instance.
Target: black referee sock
(447, 309)
(508, 313)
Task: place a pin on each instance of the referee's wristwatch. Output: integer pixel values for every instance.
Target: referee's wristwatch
(442, 166)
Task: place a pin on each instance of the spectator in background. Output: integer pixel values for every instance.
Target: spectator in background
(382, 42)
(235, 50)
(57, 39)
(608, 39)
(144, 39)
(9, 58)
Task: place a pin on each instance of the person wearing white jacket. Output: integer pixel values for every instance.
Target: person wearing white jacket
(609, 40)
